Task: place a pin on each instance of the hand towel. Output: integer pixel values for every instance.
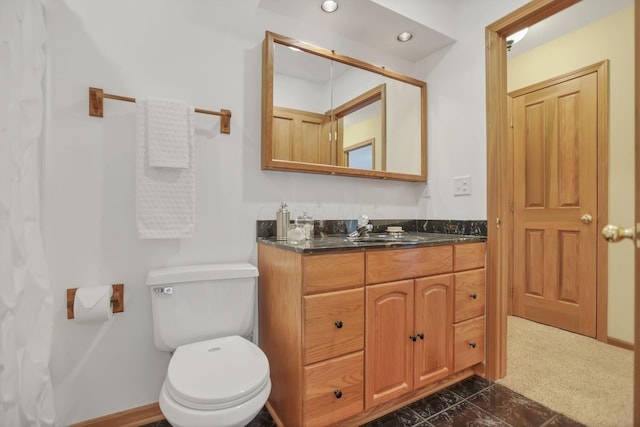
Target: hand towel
(167, 133)
(165, 196)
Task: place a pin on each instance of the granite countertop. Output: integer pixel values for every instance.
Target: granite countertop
(340, 242)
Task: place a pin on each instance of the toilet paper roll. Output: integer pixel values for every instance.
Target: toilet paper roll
(93, 304)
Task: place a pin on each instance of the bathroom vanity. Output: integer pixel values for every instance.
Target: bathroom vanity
(356, 330)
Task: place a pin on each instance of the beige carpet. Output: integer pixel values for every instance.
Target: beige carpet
(586, 380)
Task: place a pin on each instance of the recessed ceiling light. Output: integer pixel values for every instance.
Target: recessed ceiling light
(404, 36)
(329, 6)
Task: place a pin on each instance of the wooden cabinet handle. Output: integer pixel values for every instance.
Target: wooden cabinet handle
(421, 335)
(473, 345)
(473, 296)
(338, 394)
(413, 337)
(339, 324)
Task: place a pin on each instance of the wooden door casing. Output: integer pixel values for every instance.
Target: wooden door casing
(555, 183)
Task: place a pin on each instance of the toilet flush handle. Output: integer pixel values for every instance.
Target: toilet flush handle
(166, 290)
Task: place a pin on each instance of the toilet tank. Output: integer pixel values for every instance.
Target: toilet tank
(197, 302)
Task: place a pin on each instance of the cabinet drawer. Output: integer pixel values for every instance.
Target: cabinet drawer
(332, 272)
(325, 381)
(333, 324)
(469, 343)
(398, 264)
(470, 294)
(468, 256)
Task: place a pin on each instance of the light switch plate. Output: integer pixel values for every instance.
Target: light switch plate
(462, 185)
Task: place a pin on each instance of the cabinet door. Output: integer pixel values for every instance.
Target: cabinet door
(389, 348)
(433, 350)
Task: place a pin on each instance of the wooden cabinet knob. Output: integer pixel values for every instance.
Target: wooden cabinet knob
(473, 296)
(339, 324)
(338, 394)
(473, 345)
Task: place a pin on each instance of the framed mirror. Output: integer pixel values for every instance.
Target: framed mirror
(327, 113)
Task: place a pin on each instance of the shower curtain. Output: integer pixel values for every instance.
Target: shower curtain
(26, 312)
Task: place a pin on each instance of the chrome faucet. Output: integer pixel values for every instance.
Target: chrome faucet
(363, 227)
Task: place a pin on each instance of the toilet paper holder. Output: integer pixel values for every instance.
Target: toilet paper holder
(117, 300)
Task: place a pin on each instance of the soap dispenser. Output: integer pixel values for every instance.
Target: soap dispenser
(282, 222)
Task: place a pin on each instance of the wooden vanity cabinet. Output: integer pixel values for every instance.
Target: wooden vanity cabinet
(351, 336)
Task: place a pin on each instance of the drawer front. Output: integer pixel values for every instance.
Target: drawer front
(332, 272)
(469, 343)
(469, 256)
(333, 324)
(334, 390)
(470, 294)
(399, 264)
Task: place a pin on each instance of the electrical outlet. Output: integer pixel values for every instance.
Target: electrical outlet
(426, 192)
(462, 185)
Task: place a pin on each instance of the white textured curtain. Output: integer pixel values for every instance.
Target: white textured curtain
(26, 304)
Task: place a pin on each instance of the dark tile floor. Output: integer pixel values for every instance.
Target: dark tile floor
(472, 402)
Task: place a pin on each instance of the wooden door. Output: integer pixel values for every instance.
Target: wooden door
(555, 204)
(298, 136)
(433, 350)
(388, 348)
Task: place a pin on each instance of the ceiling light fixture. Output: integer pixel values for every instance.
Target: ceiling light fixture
(516, 37)
(404, 36)
(329, 6)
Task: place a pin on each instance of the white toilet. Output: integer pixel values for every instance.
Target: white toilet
(204, 315)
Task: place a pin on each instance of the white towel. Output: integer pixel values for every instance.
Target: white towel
(168, 133)
(165, 196)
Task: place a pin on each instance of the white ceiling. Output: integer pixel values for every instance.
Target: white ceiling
(377, 26)
(365, 22)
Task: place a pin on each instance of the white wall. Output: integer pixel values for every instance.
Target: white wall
(456, 119)
(208, 53)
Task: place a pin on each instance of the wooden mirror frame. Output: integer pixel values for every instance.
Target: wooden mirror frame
(269, 163)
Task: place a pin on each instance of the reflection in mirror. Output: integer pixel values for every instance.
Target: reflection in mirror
(361, 155)
(327, 113)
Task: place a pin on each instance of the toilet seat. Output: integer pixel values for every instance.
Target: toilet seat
(217, 374)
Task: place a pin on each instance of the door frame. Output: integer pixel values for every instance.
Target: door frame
(498, 191)
(601, 69)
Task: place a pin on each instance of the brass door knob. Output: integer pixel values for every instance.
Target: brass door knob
(614, 234)
(586, 218)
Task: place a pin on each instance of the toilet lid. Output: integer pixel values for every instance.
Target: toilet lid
(217, 374)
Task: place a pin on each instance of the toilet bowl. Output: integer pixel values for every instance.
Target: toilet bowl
(223, 382)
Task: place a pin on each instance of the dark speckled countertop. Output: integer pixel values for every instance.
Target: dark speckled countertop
(340, 242)
(331, 235)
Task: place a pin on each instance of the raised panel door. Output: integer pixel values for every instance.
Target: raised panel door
(389, 348)
(433, 348)
(555, 204)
